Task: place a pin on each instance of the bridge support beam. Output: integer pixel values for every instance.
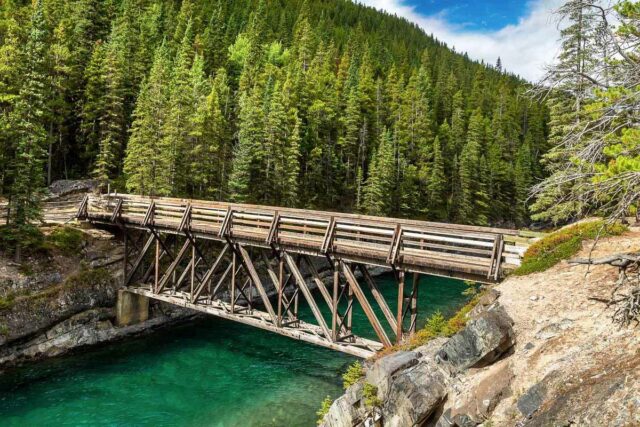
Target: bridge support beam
(131, 308)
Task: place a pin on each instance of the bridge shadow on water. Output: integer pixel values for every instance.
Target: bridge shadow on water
(212, 372)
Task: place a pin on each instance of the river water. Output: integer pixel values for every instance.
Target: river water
(211, 373)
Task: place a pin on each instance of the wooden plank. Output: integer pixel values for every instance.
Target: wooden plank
(304, 332)
(499, 257)
(373, 319)
(334, 305)
(394, 249)
(414, 304)
(377, 295)
(400, 314)
(140, 258)
(273, 230)
(293, 268)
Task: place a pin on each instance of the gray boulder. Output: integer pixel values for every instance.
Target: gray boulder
(382, 371)
(414, 395)
(481, 342)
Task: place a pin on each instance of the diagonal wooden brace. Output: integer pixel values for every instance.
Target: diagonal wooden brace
(362, 299)
(250, 269)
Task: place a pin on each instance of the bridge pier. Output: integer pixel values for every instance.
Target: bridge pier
(131, 308)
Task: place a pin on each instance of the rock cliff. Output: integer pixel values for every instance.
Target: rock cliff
(537, 350)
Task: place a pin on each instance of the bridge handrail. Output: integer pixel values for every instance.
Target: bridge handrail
(390, 241)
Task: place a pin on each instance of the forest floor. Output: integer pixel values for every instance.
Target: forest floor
(571, 364)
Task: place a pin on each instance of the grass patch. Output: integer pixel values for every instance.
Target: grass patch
(4, 330)
(436, 326)
(353, 375)
(7, 302)
(324, 409)
(563, 244)
(68, 240)
(87, 276)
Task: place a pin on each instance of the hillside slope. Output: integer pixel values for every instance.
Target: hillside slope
(306, 103)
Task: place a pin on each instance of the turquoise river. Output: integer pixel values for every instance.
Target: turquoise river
(211, 373)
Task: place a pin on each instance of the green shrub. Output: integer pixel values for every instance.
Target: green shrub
(88, 276)
(30, 238)
(68, 240)
(353, 374)
(436, 326)
(4, 329)
(563, 244)
(370, 394)
(7, 302)
(324, 409)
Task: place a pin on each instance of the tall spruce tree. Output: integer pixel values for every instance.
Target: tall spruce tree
(148, 160)
(28, 123)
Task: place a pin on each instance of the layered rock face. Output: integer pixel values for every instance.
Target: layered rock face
(413, 386)
(538, 350)
(56, 303)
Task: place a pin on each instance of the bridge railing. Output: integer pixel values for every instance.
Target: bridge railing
(428, 247)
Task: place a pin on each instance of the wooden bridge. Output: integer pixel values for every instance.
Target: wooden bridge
(219, 258)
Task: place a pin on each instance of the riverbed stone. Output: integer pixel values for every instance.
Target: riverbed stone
(481, 342)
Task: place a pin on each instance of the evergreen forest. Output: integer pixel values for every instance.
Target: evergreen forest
(304, 103)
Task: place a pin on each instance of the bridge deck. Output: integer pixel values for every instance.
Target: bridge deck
(238, 250)
(476, 253)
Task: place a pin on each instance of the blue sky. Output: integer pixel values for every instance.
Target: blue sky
(523, 33)
(474, 15)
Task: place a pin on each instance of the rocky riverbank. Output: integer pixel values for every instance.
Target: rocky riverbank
(538, 350)
(62, 298)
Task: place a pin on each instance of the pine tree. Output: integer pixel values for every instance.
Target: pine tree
(522, 181)
(210, 150)
(27, 120)
(148, 159)
(249, 151)
(113, 116)
(437, 185)
(378, 190)
(9, 88)
(473, 200)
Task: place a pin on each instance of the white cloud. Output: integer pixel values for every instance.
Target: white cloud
(525, 48)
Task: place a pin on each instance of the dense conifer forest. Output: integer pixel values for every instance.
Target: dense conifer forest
(305, 103)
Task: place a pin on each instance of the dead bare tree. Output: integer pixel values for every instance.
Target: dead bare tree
(625, 295)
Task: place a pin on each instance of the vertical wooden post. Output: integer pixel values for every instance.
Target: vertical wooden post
(157, 266)
(193, 271)
(414, 304)
(400, 307)
(125, 261)
(349, 304)
(280, 288)
(334, 302)
(295, 306)
(234, 262)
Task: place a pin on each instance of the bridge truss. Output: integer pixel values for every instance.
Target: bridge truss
(257, 265)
